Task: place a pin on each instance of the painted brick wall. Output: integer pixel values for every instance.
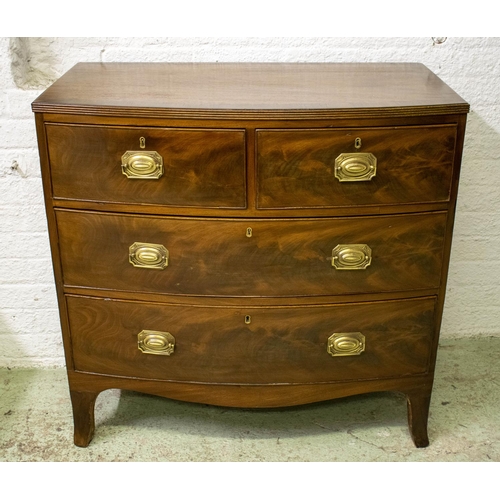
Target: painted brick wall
(29, 324)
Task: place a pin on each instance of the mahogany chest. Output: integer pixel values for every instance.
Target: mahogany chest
(250, 235)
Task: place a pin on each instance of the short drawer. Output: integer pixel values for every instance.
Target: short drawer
(251, 345)
(148, 166)
(251, 257)
(354, 167)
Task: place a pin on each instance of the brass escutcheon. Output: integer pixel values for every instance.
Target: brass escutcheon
(346, 344)
(351, 257)
(148, 255)
(153, 342)
(142, 165)
(355, 167)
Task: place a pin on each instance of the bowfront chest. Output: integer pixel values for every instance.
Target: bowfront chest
(250, 235)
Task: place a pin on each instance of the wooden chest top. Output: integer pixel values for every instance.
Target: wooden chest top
(249, 90)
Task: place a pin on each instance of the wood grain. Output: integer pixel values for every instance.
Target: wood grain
(202, 168)
(295, 168)
(284, 257)
(250, 90)
(280, 345)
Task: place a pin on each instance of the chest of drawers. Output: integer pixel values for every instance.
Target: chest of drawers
(250, 235)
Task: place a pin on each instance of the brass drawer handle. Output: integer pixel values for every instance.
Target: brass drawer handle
(148, 255)
(354, 167)
(142, 165)
(152, 342)
(351, 257)
(346, 344)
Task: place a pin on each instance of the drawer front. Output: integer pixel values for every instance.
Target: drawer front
(251, 345)
(305, 168)
(199, 168)
(286, 257)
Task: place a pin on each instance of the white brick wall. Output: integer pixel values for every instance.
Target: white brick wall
(29, 324)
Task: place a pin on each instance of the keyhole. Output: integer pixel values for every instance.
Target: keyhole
(142, 142)
(248, 319)
(357, 142)
(249, 232)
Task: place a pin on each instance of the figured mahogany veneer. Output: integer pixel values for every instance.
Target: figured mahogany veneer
(203, 168)
(284, 257)
(295, 167)
(281, 345)
(250, 235)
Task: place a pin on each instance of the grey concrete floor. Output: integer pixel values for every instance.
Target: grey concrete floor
(36, 421)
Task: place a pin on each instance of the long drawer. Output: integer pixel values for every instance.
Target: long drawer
(348, 167)
(252, 257)
(148, 165)
(254, 345)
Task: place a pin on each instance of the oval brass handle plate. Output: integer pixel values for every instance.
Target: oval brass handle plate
(142, 165)
(351, 257)
(346, 344)
(148, 255)
(354, 167)
(153, 342)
